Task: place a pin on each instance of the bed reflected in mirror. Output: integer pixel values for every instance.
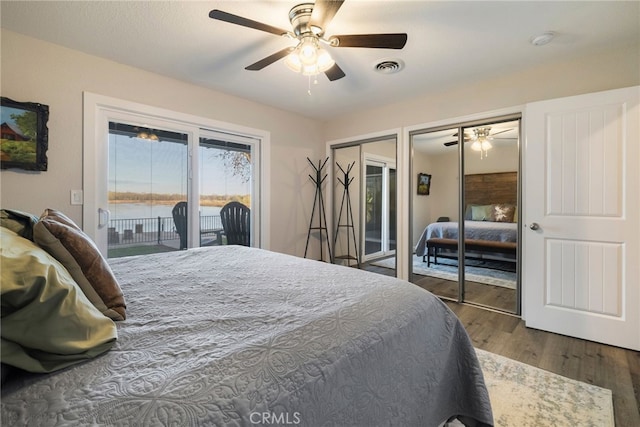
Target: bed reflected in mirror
(491, 165)
(484, 205)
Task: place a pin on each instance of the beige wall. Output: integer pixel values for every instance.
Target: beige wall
(443, 169)
(36, 71)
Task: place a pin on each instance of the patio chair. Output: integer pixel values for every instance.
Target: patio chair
(236, 223)
(179, 213)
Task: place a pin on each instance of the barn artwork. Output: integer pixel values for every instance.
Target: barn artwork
(24, 135)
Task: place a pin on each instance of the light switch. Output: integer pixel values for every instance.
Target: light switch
(77, 197)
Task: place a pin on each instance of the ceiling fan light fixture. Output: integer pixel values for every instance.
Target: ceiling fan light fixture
(148, 136)
(309, 58)
(481, 138)
(293, 62)
(308, 50)
(325, 61)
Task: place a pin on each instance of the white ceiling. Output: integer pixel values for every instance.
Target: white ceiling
(450, 43)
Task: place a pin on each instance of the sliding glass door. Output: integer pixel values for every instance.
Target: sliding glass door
(148, 178)
(379, 209)
(155, 181)
(225, 175)
(149, 203)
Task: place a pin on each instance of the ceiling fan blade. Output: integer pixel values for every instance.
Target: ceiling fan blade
(269, 59)
(502, 131)
(380, 41)
(335, 73)
(323, 12)
(239, 20)
(467, 137)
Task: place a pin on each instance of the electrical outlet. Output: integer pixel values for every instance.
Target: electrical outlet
(77, 197)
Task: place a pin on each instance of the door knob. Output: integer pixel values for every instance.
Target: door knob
(534, 226)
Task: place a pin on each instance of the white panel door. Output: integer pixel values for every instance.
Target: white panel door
(582, 219)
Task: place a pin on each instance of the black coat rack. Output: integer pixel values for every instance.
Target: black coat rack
(318, 201)
(348, 224)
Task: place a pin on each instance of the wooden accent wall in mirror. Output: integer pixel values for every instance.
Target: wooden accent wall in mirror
(491, 188)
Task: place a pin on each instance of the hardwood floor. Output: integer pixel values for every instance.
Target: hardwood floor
(497, 297)
(610, 367)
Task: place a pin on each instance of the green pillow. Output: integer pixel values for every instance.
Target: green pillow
(18, 221)
(482, 213)
(47, 321)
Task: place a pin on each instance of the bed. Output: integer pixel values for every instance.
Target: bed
(490, 216)
(231, 335)
(476, 230)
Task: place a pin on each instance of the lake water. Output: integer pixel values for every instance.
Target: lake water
(143, 210)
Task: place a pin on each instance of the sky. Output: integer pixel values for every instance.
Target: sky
(145, 166)
(5, 115)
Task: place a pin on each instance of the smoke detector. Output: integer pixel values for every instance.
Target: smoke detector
(542, 39)
(389, 66)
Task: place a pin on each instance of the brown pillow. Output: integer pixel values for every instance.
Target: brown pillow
(67, 243)
(503, 213)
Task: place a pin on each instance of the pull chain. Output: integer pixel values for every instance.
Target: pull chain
(315, 82)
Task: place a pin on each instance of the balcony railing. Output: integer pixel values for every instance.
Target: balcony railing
(159, 230)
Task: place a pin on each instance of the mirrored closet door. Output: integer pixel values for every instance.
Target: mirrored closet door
(435, 187)
(364, 201)
(465, 231)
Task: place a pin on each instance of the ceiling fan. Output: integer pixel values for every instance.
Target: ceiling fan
(481, 133)
(308, 21)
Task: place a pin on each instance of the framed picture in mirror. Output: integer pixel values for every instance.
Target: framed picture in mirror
(424, 184)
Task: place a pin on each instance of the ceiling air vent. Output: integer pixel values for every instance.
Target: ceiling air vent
(389, 66)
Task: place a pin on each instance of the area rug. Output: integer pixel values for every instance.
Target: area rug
(523, 396)
(448, 270)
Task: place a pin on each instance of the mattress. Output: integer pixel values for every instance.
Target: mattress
(233, 336)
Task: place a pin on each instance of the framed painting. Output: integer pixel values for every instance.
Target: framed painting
(424, 184)
(24, 140)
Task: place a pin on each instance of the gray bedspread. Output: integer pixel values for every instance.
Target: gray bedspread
(480, 230)
(225, 336)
